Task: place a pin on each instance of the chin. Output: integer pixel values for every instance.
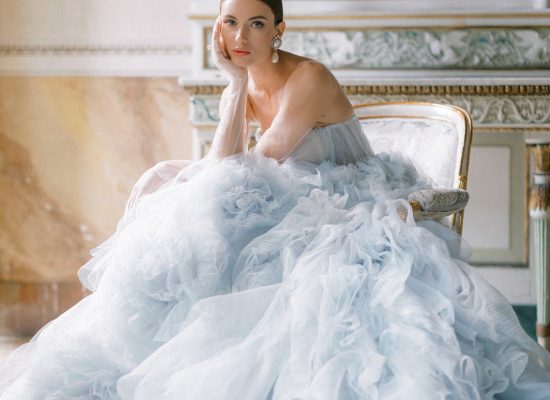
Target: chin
(248, 62)
(247, 65)
(241, 63)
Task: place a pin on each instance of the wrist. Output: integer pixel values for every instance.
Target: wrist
(238, 81)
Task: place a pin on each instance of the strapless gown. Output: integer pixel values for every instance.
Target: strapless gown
(248, 279)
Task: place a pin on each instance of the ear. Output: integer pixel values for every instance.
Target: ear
(281, 28)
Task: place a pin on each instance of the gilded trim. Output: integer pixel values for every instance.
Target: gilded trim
(476, 90)
(458, 218)
(204, 90)
(539, 198)
(415, 205)
(413, 90)
(520, 130)
(541, 157)
(539, 195)
(462, 182)
(543, 330)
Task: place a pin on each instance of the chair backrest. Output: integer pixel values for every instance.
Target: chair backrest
(436, 137)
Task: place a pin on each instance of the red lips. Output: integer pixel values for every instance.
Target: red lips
(240, 52)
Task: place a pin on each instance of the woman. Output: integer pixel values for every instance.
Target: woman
(283, 272)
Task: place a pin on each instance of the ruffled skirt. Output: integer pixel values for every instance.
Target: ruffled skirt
(247, 279)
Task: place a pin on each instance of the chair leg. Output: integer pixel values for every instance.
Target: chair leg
(539, 213)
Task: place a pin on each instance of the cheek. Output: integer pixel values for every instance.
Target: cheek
(228, 37)
(262, 43)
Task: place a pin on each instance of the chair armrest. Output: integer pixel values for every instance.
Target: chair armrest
(438, 202)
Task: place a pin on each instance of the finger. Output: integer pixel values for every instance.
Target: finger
(215, 34)
(222, 47)
(221, 43)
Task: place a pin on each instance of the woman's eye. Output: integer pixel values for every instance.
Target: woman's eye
(230, 22)
(257, 24)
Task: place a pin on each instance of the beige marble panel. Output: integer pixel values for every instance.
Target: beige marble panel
(70, 151)
(26, 307)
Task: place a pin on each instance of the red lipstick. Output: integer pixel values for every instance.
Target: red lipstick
(240, 52)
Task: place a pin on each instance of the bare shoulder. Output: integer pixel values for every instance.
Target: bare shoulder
(311, 73)
(315, 87)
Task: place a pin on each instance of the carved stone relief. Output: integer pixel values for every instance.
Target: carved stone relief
(484, 110)
(424, 48)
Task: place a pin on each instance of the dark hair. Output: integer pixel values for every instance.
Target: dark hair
(277, 9)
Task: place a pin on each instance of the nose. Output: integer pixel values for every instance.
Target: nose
(242, 35)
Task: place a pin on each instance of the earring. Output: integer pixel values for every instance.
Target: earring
(276, 44)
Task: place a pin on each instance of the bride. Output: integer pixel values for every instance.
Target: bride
(279, 272)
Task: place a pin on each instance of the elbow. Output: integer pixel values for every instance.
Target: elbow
(268, 152)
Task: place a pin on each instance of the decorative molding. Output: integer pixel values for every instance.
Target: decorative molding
(412, 90)
(422, 48)
(95, 38)
(204, 90)
(8, 50)
(488, 109)
(446, 90)
(395, 9)
(425, 48)
(205, 110)
(485, 110)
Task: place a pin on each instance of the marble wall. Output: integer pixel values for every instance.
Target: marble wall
(70, 150)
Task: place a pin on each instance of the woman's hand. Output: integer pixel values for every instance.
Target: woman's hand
(154, 178)
(221, 58)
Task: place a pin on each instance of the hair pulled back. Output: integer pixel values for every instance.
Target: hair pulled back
(276, 7)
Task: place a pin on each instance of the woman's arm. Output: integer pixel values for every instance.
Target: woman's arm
(231, 132)
(306, 97)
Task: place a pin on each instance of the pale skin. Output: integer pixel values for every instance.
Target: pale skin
(287, 99)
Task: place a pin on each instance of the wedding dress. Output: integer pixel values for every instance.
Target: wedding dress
(249, 279)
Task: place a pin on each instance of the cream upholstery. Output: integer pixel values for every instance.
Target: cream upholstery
(436, 137)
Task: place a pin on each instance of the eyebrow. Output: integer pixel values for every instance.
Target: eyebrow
(250, 19)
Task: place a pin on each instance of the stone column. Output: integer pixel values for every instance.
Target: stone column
(539, 213)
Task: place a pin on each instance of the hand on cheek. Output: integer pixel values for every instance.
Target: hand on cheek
(220, 55)
(223, 49)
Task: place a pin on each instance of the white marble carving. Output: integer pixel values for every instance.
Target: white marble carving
(485, 110)
(427, 48)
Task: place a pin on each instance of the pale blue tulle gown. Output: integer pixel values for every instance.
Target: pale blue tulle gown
(245, 279)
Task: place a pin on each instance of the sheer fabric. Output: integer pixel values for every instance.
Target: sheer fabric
(250, 279)
(338, 143)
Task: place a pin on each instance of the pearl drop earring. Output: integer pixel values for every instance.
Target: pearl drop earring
(276, 44)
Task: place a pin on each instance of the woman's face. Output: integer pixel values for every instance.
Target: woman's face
(248, 27)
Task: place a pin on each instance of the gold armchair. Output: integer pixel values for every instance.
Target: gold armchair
(437, 138)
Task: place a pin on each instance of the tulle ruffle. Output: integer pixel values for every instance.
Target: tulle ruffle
(249, 279)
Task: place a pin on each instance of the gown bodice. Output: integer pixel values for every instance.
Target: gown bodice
(341, 143)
